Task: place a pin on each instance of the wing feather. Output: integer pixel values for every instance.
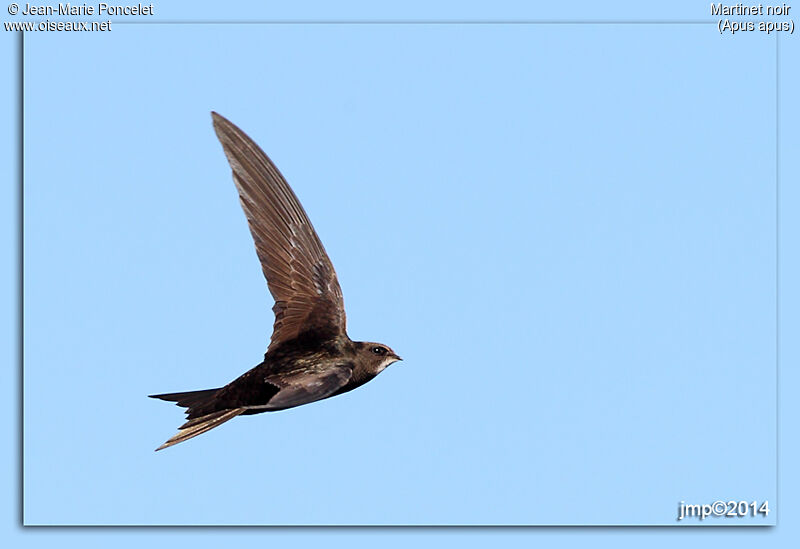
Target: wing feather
(299, 273)
(200, 425)
(302, 387)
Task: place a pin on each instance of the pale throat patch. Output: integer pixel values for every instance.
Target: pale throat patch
(386, 361)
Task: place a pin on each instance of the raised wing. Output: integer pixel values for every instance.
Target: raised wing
(299, 273)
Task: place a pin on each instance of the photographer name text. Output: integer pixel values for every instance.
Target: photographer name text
(87, 9)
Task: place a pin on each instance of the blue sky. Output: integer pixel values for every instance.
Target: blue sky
(568, 232)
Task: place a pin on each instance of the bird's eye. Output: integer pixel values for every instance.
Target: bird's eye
(379, 350)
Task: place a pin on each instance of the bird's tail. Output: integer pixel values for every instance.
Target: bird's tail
(201, 414)
(189, 399)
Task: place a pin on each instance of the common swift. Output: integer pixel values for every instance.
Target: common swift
(310, 357)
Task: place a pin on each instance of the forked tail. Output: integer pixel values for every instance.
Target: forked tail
(202, 412)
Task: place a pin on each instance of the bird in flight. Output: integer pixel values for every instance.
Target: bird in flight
(310, 357)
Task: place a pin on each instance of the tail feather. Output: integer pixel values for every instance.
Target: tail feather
(189, 399)
(200, 425)
(203, 413)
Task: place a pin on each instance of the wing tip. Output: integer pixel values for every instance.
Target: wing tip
(170, 442)
(220, 122)
(200, 425)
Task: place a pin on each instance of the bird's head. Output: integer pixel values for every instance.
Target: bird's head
(376, 356)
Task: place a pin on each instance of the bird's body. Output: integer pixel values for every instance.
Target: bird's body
(310, 356)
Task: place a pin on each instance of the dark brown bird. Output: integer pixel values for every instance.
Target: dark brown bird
(310, 356)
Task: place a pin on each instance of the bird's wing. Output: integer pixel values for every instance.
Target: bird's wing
(299, 273)
(200, 425)
(304, 386)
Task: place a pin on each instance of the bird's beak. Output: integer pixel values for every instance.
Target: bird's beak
(398, 358)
